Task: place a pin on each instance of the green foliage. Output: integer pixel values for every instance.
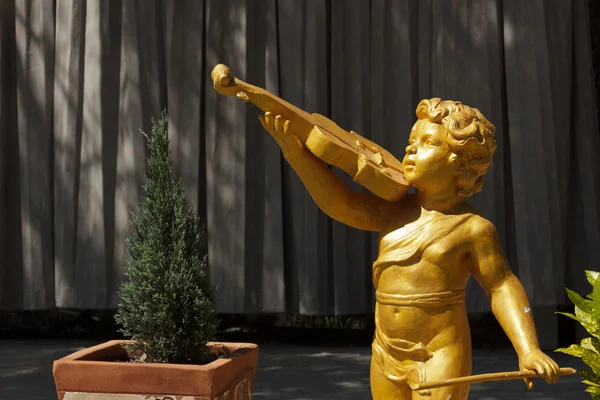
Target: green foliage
(166, 304)
(587, 313)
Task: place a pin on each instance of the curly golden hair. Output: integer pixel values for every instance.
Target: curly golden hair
(470, 137)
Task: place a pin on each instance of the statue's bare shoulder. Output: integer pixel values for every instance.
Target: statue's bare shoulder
(488, 264)
(479, 226)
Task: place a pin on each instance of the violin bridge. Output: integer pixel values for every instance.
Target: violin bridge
(379, 159)
(363, 173)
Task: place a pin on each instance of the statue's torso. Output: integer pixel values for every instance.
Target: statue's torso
(428, 255)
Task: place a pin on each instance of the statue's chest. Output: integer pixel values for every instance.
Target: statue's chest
(432, 239)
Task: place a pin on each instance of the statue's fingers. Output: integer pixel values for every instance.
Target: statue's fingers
(557, 369)
(286, 127)
(268, 128)
(261, 118)
(296, 140)
(553, 371)
(548, 372)
(278, 124)
(529, 383)
(269, 119)
(541, 369)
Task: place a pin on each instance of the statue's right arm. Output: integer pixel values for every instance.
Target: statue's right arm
(356, 209)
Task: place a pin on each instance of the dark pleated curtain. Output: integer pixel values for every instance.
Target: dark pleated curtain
(80, 79)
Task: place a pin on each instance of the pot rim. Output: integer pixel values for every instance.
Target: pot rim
(76, 357)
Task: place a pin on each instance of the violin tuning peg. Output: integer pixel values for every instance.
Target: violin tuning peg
(243, 96)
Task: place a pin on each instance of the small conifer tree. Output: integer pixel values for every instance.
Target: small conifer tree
(166, 304)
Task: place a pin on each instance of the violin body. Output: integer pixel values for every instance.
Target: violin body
(369, 165)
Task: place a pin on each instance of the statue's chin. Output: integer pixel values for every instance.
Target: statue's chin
(412, 180)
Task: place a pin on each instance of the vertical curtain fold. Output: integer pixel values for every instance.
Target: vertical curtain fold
(304, 40)
(68, 127)
(34, 70)
(80, 79)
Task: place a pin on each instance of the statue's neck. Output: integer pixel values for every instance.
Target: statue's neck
(440, 201)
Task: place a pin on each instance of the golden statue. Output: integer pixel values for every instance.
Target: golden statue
(430, 242)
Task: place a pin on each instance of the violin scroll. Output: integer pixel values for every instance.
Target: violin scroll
(223, 82)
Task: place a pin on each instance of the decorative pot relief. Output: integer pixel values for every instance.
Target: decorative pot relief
(241, 391)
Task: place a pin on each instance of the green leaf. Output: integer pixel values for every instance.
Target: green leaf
(593, 278)
(581, 303)
(590, 377)
(592, 344)
(592, 360)
(588, 356)
(572, 316)
(586, 312)
(573, 350)
(595, 390)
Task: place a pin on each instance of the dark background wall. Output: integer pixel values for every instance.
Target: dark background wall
(78, 79)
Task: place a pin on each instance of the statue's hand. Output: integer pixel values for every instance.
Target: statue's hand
(290, 145)
(544, 366)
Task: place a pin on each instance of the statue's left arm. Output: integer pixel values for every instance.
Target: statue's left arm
(509, 301)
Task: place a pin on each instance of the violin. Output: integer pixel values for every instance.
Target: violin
(369, 165)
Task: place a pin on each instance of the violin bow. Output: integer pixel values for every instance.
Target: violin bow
(495, 376)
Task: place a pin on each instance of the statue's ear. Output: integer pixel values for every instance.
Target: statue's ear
(455, 160)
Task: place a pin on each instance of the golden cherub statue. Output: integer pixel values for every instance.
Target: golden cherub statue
(430, 242)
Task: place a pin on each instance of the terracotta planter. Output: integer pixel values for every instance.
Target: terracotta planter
(96, 373)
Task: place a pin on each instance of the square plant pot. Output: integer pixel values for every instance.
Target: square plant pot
(103, 372)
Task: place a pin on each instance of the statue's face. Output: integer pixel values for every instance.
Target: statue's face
(427, 164)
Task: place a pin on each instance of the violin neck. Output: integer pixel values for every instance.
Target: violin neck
(301, 122)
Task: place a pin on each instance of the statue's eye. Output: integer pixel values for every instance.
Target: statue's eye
(430, 143)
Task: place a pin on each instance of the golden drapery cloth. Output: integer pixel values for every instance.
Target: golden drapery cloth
(421, 300)
(398, 359)
(403, 246)
(401, 360)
